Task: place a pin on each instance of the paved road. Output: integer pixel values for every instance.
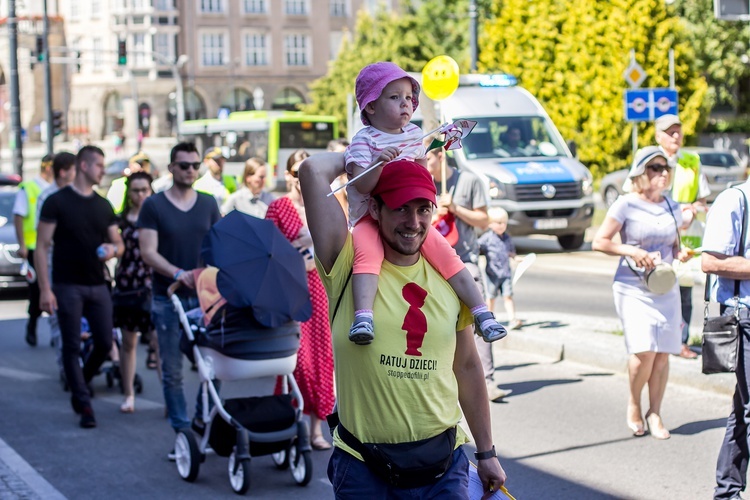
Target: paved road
(561, 434)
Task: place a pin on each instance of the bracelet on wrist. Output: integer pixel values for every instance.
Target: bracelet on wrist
(484, 455)
(178, 273)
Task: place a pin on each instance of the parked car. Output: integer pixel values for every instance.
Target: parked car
(10, 262)
(10, 179)
(721, 168)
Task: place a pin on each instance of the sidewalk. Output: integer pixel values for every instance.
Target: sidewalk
(593, 341)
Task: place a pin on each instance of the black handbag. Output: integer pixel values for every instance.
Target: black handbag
(132, 299)
(721, 334)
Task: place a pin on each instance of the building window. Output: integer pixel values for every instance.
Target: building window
(139, 46)
(212, 49)
(75, 10)
(335, 37)
(256, 49)
(96, 8)
(338, 8)
(288, 98)
(295, 7)
(212, 5)
(141, 4)
(295, 50)
(238, 100)
(255, 6)
(98, 47)
(163, 47)
(164, 5)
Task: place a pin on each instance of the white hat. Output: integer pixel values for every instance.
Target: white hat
(665, 121)
(643, 156)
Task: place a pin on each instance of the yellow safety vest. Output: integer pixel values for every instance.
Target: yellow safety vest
(230, 183)
(686, 177)
(32, 190)
(116, 194)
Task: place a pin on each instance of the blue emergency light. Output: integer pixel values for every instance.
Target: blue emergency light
(498, 80)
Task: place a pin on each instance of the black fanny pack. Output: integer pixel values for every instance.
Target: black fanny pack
(406, 465)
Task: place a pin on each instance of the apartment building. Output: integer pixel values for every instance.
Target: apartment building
(216, 56)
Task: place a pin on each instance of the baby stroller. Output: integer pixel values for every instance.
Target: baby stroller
(244, 335)
(110, 368)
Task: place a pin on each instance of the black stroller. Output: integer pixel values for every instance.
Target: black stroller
(247, 338)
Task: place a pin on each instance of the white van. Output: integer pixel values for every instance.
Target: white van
(522, 158)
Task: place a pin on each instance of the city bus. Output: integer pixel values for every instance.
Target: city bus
(271, 135)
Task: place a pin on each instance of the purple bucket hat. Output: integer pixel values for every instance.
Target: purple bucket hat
(373, 79)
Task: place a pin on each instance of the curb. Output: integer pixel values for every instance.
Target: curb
(590, 341)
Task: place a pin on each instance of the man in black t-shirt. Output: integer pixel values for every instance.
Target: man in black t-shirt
(172, 225)
(84, 230)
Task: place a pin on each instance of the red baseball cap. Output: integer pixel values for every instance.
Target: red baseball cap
(402, 181)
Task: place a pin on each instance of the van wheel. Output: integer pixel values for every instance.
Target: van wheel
(610, 195)
(571, 241)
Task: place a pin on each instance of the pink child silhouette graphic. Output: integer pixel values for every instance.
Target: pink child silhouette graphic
(415, 322)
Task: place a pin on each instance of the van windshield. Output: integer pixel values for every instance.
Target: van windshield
(512, 137)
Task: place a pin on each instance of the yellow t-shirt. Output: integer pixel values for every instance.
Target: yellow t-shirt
(400, 388)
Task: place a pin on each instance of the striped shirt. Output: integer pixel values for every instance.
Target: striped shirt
(365, 148)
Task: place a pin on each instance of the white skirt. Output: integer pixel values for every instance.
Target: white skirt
(650, 322)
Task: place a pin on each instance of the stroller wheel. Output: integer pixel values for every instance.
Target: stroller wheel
(138, 384)
(239, 474)
(187, 456)
(281, 459)
(301, 464)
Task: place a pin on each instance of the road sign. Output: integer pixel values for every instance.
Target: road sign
(649, 104)
(634, 74)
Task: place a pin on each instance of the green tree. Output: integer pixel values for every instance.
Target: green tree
(422, 31)
(721, 50)
(572, 56)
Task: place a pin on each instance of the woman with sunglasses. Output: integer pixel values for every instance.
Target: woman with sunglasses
(647, 222)
(314, 371)
(132, 294)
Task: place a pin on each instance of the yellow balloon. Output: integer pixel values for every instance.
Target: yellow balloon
(440, 78)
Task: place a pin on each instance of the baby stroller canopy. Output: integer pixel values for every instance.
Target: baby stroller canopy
(258, 268)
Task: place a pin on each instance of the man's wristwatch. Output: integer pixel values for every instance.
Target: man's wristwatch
(484, 455)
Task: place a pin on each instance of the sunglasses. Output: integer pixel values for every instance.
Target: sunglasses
(295, 173)
(185, 165)
(658, 167)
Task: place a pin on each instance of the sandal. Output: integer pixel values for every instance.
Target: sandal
(151, 361)
(320, 443)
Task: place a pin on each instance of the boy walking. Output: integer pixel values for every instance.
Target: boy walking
(499, 249)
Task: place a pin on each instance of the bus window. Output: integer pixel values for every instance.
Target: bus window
(305, 135)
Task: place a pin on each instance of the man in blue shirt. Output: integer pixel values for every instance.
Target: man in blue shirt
(729, 258)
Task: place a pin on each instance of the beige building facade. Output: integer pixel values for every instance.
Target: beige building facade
(217, 55)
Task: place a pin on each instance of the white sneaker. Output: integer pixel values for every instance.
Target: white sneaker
(496, 394)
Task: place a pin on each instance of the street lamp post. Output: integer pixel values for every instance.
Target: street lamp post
(473, 34)
(180, 97)
(16, 143)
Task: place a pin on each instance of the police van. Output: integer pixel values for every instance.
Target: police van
(520, 155)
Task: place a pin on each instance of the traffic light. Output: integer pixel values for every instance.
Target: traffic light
(57, 122)
(39, 48)
(78, 61)
(122, 54)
